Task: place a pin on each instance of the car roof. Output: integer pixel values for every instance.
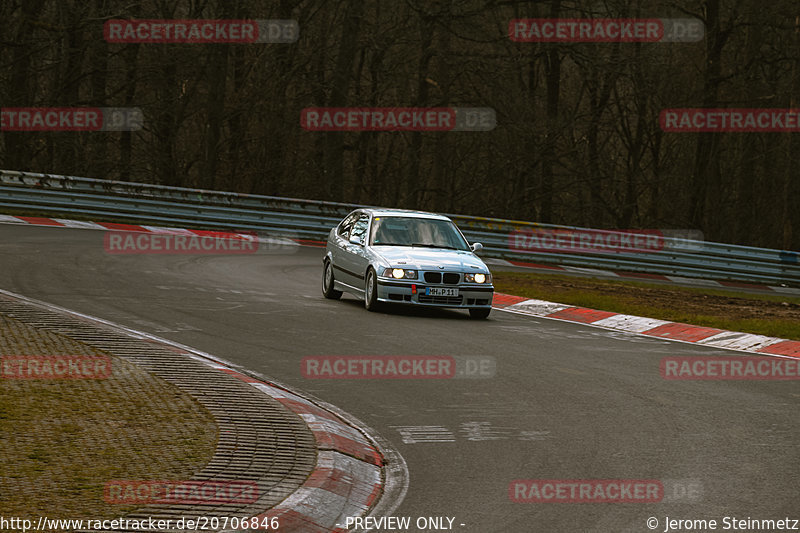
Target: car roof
(377, 212)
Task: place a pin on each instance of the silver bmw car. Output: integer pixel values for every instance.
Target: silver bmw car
(405, 257)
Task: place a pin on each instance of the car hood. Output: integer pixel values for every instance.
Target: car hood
(430, 258)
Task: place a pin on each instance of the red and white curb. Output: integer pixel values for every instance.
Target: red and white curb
(340, 487)
(644, 276)
(663, 329)
(350, 474)
(353, 476)
(159, 230)
(348, 477)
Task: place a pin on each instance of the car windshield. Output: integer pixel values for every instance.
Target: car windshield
(415, 231)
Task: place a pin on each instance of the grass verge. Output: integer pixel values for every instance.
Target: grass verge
(63, 440)
(772, 315)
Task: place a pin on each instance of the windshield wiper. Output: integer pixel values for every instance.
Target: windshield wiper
(426, 245)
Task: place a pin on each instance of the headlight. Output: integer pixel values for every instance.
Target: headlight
(400, 273)
(478, 278)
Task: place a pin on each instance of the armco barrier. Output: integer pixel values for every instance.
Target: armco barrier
(312, 219)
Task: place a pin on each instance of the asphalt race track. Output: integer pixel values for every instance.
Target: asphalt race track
(567, 402)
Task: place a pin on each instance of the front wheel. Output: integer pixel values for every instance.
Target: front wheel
(480, 313)
(371, 291)
(327, 283)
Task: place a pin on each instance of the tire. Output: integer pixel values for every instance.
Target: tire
(480, 313)
(371, 291)
(327, 282)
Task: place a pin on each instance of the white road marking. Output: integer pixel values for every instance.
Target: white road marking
(631, 323)
(482, 431)
(417, 434)
(475, 431)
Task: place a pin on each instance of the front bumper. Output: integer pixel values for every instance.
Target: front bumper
(412, 292)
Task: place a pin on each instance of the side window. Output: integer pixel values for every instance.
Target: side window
(347, 225)
(360, 227)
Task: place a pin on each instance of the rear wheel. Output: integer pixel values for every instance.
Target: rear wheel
(327, 282)
(371, 291)
(480, 313)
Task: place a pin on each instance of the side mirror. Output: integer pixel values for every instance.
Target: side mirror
(355, 239)
(476, 247)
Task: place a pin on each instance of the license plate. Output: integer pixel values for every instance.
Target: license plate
(440, 291)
